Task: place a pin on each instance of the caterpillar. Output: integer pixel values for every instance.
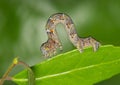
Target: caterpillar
(50, 46)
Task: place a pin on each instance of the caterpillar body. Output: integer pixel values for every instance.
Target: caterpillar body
(50, 46)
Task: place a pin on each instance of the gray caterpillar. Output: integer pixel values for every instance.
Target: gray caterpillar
(50, 46)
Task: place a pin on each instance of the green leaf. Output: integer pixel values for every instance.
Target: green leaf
(75, 68)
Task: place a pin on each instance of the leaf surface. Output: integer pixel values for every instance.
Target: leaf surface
(75, 68)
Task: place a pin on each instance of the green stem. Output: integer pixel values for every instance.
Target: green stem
(31, 78)
(8, 71)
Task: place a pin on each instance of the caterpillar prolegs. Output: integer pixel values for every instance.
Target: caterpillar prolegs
(50, 46)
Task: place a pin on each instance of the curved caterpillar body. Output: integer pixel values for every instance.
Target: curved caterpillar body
(50, 46)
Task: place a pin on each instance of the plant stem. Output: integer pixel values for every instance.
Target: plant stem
(31, 78)
(8, 71)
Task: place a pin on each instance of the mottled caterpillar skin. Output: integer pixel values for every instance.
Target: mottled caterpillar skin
(50, 46)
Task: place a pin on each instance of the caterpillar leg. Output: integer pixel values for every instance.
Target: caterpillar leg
(79, 46)
(45, 51)
(95, 44)
(58, 44)
(61, 48)
(86, 42)
(49, 48)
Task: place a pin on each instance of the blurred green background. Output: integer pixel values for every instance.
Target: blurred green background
(22, 28)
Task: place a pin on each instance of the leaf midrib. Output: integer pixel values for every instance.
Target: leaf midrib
(66, 72)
